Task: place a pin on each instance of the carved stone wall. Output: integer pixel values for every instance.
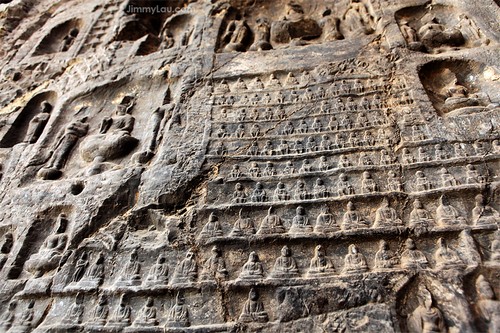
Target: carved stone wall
(249, 166)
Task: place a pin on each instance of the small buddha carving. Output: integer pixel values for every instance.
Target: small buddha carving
(158, 273)
(285, 265)
(300, 222)
(473, 176)
(178, 315)
(254, 170)
(319, 190)
(445, 257)
(131, 275)
(484, 214)
(75, 312)
(147, 315)
(281, 193)
(259, 194)
(447, 215)
(271, 224)
(320, 263)
(212, 228)
(407, 157)
(386, 216)
(252, 269)
(421, 182)
(301, 192)
(243, 226)
(269, 170)
(354, 262)
(325, 222)
(352, 219)
(215, 266)
(101, 312)
(368, 184)
(412, 258)
(383, 258)
(447, 179)
(187, 270)
(122, 314)
(393, 182)
(253, 310)
(80, 267)
(344, 187)
(239, 194)
(420, 217)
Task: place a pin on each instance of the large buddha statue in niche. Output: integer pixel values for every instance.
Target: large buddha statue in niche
(426, 318)
(114, 139)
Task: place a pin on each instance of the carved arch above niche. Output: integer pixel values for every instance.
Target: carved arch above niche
(60, 38)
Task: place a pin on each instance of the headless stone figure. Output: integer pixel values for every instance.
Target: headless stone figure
(51, 251)
(320, 264)
(147, 315)
(253, 310)
(178, 315)
(357, 20)
(354, 261)
(37, 124)
(187, 270)
(488, 306)
(262, 36)
(294, 26)
(426, 318)
(285, 265)
(252, 269)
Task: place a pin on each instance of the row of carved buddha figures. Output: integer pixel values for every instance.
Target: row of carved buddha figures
(346, 187)
(385, 216)
(343, 86)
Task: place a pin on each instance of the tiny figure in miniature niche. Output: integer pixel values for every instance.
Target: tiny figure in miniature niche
(269, 170)
(285, 265)
(300, 222)
(352, 219)
(319, 190)
(262, 36)
(409, 34)
(354, 261)
(235, 172)
(187, 270)
(215, 266)
(487, 305)
(254, 170)
(8, 242)
(426, 318)
(158, 273)
(393, 182)
(243, 226)
(447, 215)
(344, 162)
(95, 274)
(411, 258)
(101, 311)
(122, 314)
(325, 222)
(473, 176)
(147, 315)
(301, 191)
(212, 228)
(447, 179)
(75, 312)
(132, 272)
(383, 258)
(51, 251)
(259, 194)
(344, 187)
(64, 144)
(284, 148)
(306, 167)
(421, 182)
(368, 184)
(407, 157)
(445, 257)
(253, 310)
(252, 269)
(253, 150)
(320, 263)
(236, 36)
(423, 156)
(178, 315)
(420, 217)
(281, 193)
(324, 165)
(37, 124)
(239, 194)
(7, 318)
(483, 214)
(69, 39)
(386, 216)
(80, 267)
(271, 224)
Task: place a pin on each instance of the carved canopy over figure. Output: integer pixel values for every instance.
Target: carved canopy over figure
(51, 251)
(114, 139)
(426, 318)
(253, 310)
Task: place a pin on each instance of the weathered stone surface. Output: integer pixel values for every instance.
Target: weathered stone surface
(249, 166)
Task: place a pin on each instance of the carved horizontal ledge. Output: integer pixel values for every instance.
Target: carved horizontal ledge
(300, 135)
(352, 197)
(452, 161)
(318, 153)
(296, 118)
(360, 234)
(433, 141)
(92, 328)
(327, 96)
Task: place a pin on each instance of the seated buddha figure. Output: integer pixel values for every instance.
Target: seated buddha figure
(386, 216)
(147, 315)
(271, 224)
(285, 265)
(325, 222)
(420, 217)
(353, 219)
(320, 263)
(354, 261)
(252, 269)
(300, 222)
(253, 310)
(484, 214)
(447, 215)
(445, 257)
(411, 258)
(383, 259)
(243, 226)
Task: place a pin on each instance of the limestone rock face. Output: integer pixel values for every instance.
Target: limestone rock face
(249, 166)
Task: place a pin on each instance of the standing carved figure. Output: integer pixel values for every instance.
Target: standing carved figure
(426, 318)
(236, 36)
(37, 124)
